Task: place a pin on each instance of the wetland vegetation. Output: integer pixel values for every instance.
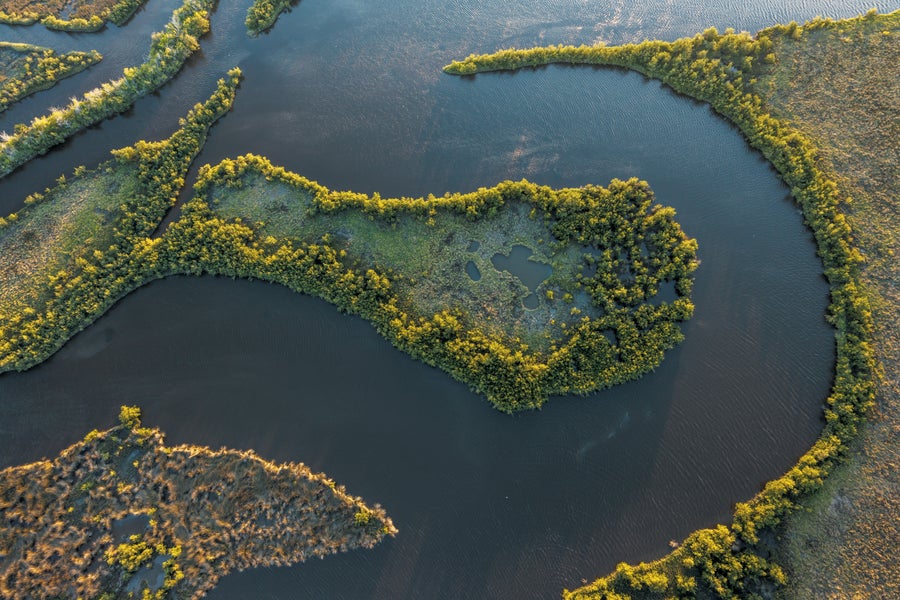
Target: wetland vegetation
(169, 49)
(122, 515)
(27, 69)
(591, 319)
(77, 16)
(737, 74)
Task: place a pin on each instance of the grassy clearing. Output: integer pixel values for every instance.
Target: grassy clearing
(27, 69)
(68, 222)
(431, 253)
(841, 85)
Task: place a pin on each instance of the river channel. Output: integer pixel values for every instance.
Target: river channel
(350, 93)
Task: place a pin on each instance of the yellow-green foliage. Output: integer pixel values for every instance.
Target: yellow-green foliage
(262, 14)
(82, 15)
(168, 51)
(93, 277)
(26, 69)
(637, 246)
(721, 70)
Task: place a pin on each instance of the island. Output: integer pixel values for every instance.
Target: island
(81, 16)
(26, 69)
(122, 515)
(778, 87)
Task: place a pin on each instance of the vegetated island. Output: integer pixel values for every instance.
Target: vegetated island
(81, 16)
(169, 49)
(27, 69)
(262, 14)
(122, 515)
(614, 270)
(72, 251)
(750, 81)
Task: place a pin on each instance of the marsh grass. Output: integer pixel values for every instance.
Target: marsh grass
(841, 84)
(72, 220)
(27, 69)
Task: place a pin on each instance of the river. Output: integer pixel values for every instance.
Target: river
(350, 94)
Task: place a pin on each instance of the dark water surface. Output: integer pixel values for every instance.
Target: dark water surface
(489, 506)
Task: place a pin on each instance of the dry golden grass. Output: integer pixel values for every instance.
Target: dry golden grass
(841, 86)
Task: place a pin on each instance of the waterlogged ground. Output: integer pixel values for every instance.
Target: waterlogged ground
(122, 514)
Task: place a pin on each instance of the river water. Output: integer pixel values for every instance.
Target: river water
(350, 93)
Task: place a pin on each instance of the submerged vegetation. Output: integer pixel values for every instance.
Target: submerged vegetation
(122, 515)
(77, 16)
(168, 51)
(262, 14)
(27, 69)
(725, 71)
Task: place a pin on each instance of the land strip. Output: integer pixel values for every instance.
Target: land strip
(27, 69)
(122, 515)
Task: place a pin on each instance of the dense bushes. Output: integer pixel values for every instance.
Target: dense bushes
(262, 14)
(168, 51)
(97, 276)
(721, 70)
(512, 376)
(85, 17)
(29, 69)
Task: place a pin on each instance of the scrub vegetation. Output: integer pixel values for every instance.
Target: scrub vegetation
(262, 14)
(72, 251)
(27, 69)
(168, 51)
(122, 515)
(736, 74)
(77, 16)
(840, 83)
(400, 263)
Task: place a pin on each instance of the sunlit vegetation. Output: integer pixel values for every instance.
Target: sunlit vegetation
(262, 14)
(77, 16)
(76, 248)
(400, 263)
(168, 51)
(840, 83)
(122, 515)
(724, 70)
(397, 262)
(27, 69)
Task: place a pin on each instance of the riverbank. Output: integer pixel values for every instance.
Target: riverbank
(169, 49)
(724, 70)
(839, 83)
(122, 514)
(26, 69)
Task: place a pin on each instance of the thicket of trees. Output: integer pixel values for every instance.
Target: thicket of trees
(618, 221)
(86, 18)
(168, 51)
(721, 70)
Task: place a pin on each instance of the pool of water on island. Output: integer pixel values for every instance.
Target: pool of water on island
(488, 505)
